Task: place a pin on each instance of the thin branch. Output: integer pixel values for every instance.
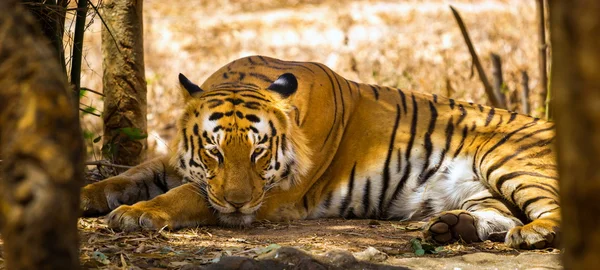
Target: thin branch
(95, 114)
(106, 164)
(497, 74)
(93, 91)
(525, 92)
(497, 101)
(543, 46)
(105, 25)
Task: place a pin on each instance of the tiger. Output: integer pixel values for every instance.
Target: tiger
(268, 139)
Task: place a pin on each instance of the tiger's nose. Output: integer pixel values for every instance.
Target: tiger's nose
(237, 202)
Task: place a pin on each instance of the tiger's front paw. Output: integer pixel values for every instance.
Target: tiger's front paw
(137, 217)
(451, 226)
(93, 201)
(538, 234)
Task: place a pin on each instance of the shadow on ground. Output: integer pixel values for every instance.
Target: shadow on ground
(305, 244)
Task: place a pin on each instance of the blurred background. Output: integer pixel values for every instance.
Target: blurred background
(412, 44)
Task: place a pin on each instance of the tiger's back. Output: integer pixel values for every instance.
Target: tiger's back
(338, 148)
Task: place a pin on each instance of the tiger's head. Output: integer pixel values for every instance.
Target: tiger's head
(237, 142)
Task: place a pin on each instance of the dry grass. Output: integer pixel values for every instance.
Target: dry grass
(414, 45)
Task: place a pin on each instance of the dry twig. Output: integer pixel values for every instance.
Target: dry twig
(497, 101)
(545, 95)
(525, 93)
(497, 74)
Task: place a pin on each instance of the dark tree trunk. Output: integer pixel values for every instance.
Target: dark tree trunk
(575, 28)
(124, 82)
(41, 147)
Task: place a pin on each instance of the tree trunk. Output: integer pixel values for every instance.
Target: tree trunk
(42, 149)
(124, 82)
(575, 28)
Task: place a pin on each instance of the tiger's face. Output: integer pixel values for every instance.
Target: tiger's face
(235, 144)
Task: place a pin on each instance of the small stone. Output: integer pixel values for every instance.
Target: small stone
(370, 254)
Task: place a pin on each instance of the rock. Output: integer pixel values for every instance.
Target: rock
(371, 254)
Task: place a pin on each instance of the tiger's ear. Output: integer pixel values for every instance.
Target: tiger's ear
(191, 87)
(285, 85)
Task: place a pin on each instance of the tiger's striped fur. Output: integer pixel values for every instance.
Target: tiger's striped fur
(256, 144)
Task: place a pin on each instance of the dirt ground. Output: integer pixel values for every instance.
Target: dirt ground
(382, 243)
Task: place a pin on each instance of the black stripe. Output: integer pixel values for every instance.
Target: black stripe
(261, 77)
(521, 187)
(399, 157)
(252, 118)
(366, 200)
(403, 98)
(533, 200)
(348, 198)
(539, 154)
(462, 206)
(250, 61)
(255, 97)
(505, 139)
(263, 60)
(192, 162)
(349, 87)
(501, 120)
(387, 175)
(214, 94)
(413, 133)
(498, 164)
(287, 65)
(334, 103)
(215, 116)
(341, 98)
(462, 141)
(490, 116)
(431, 171)
(252, 105)
(428, 144)
(185, 140)
(534, 133)
(451, 104)
(327, 202)
(434, 98)
(213, 103)
(513, 116)
(480, 107)
(502, 179)
(235, 101)
(273, 130)
(182, 163)
(549, 211)
(463, 114)
(305, 202)
(375, 93)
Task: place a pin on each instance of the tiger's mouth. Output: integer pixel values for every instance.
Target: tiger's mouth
(231, 216)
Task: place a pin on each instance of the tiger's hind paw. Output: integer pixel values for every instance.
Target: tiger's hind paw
(452, 226)
(538, 234)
